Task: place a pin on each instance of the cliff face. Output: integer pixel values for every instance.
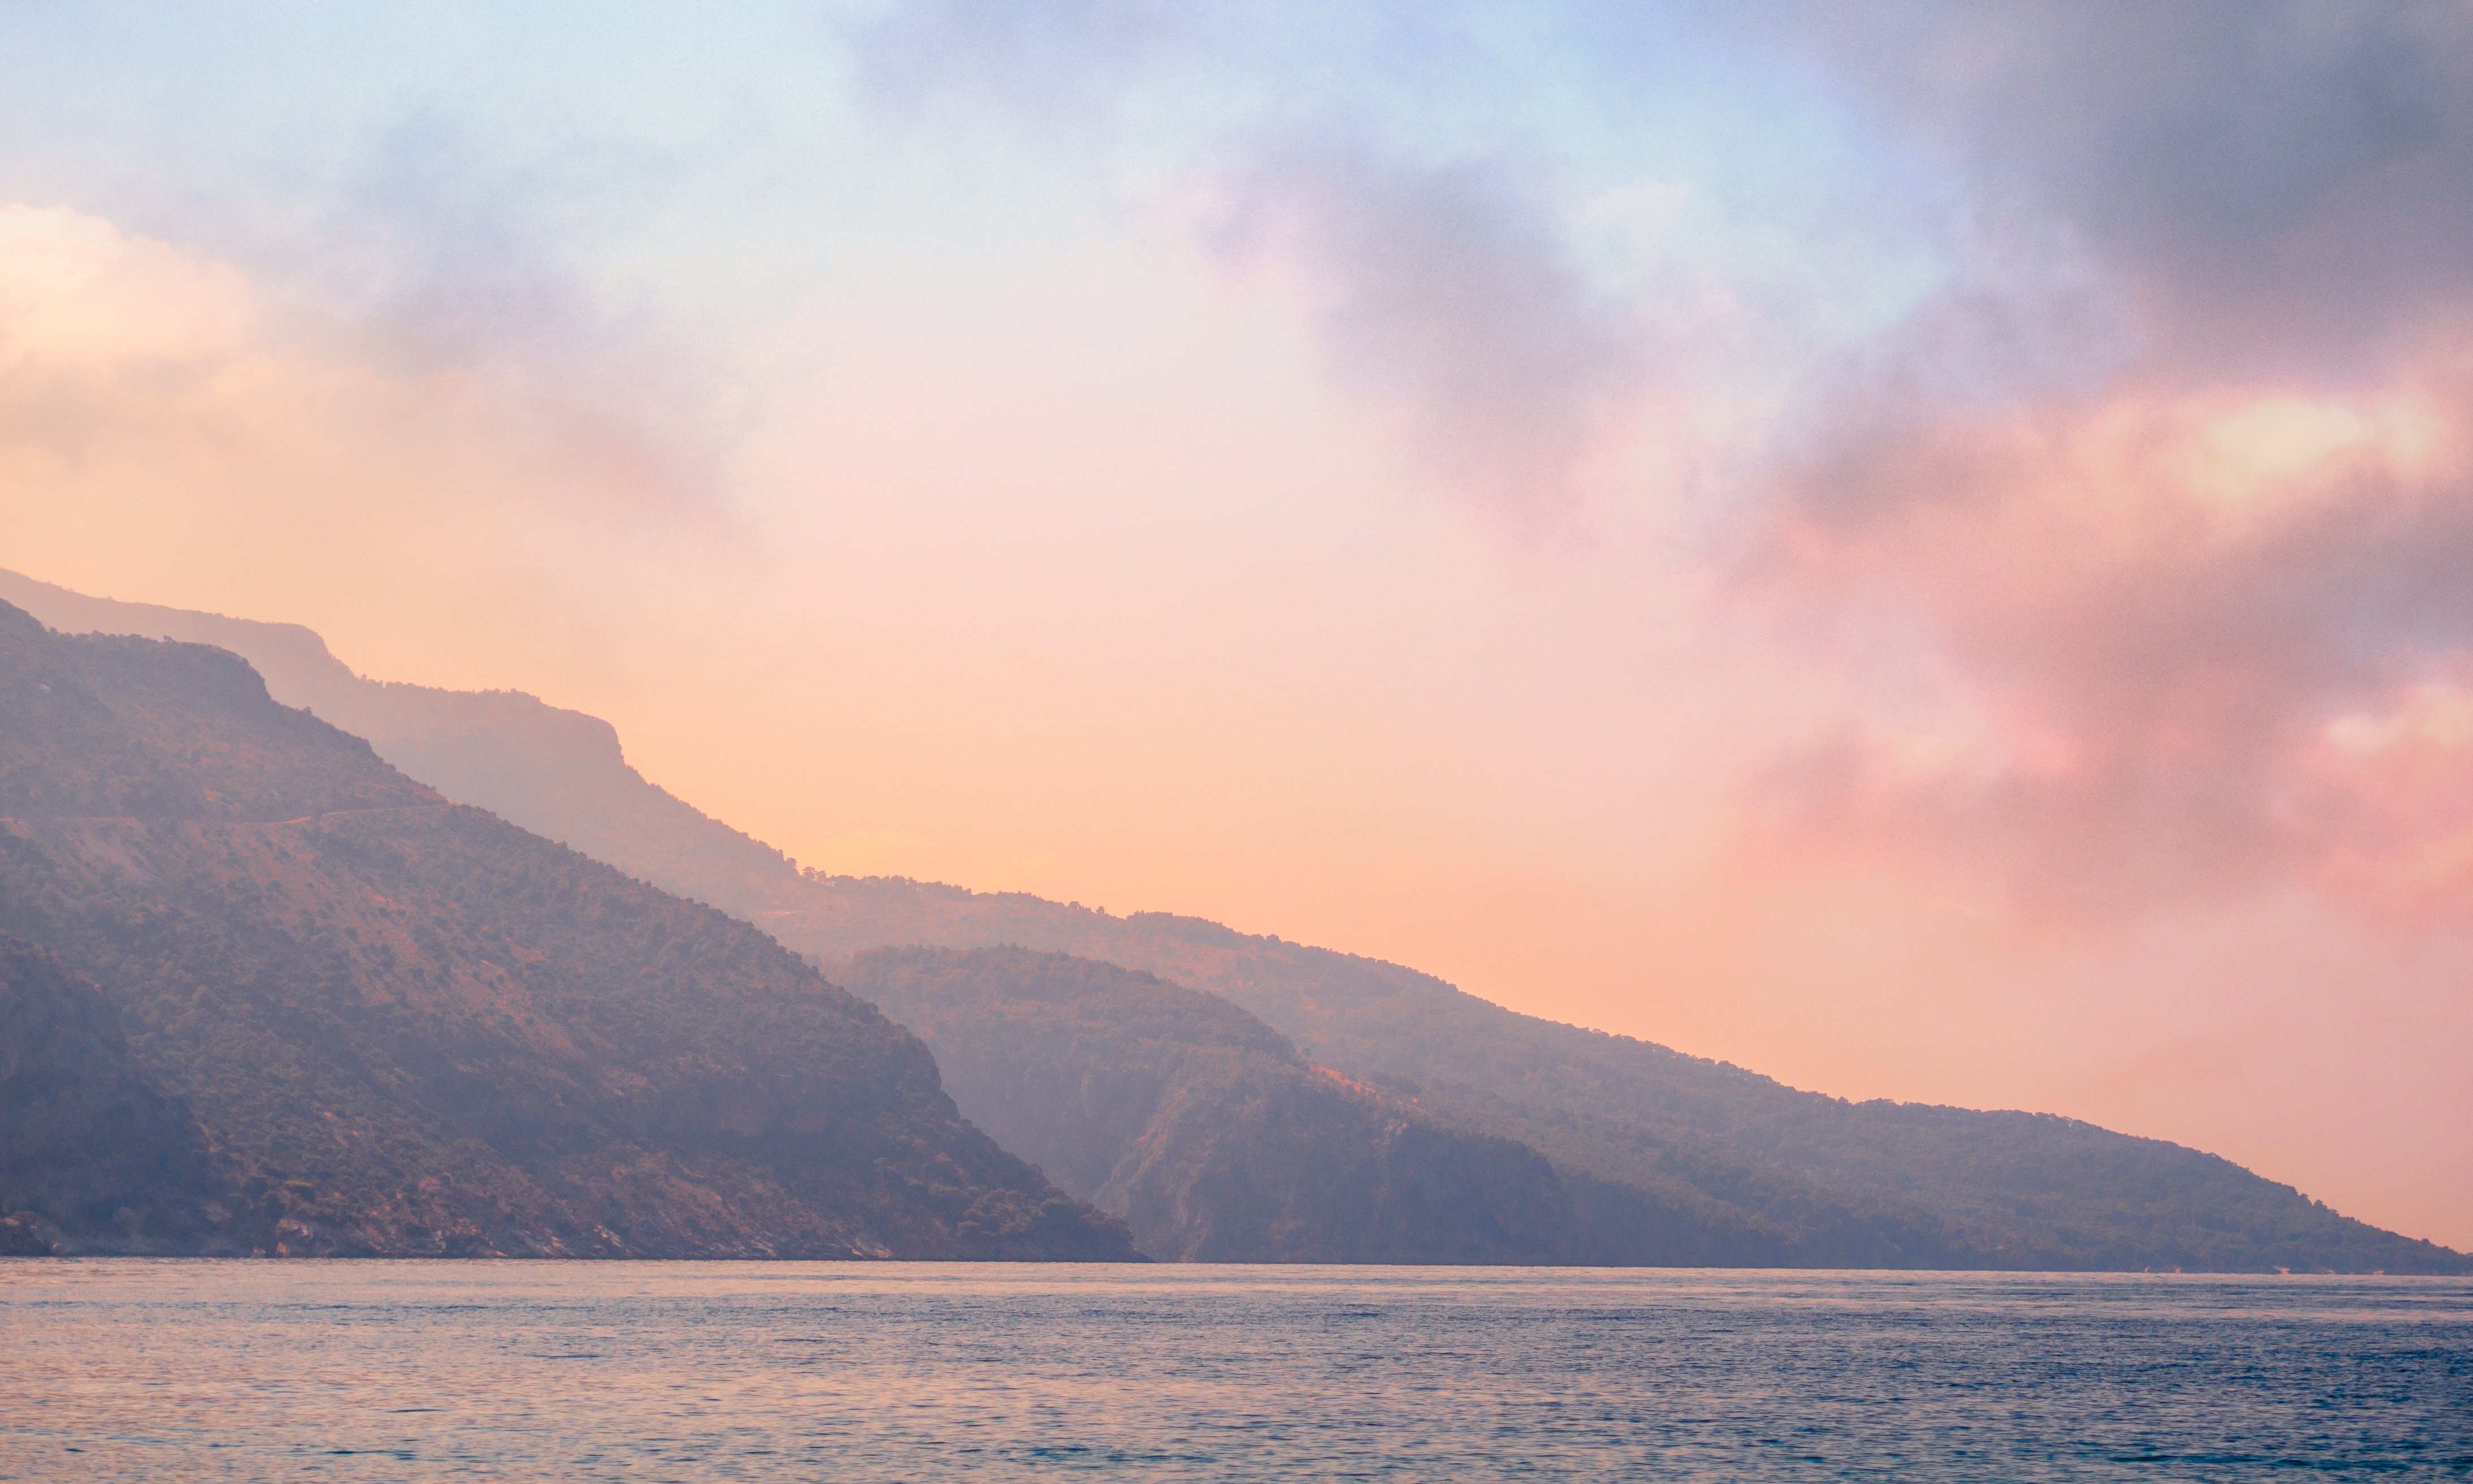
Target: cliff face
(1202, 1126)
(398, 1025)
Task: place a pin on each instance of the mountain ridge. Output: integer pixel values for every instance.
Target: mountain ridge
(1798, 1178)
(408, 1027)
(1718, 1164)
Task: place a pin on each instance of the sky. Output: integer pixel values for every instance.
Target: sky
(1920, 549)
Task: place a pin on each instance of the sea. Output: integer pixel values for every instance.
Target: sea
(177, 1369)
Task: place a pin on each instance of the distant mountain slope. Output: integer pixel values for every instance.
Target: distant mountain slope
(1202, 1126)
(1702, 1162)
(1796, 1177)
(406, 1026)
(559, 773)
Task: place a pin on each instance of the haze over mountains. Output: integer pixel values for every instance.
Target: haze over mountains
(1720, 1165)
(1203, 1127)
(1554, 1142)
(265, 992)
(555, 771)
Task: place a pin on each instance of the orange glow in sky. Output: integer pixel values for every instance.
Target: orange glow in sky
(1852, 565)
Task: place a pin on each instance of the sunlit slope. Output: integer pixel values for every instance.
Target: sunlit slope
(403, 1025)
(1700, 1161)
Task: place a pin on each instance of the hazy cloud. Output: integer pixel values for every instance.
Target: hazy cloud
(2174, 467)
(2154, 609)
(1052, 61)
(449, 263)
(2280, 184)
(1446, 294)
(141, 376)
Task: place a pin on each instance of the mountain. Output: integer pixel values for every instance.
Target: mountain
(1676, 1159)
(559, 773)
(1727, 1166)
(1202, 1126)
(331, 1012)
(86, 1143)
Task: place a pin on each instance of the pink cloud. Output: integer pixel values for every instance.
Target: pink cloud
(2149, 609)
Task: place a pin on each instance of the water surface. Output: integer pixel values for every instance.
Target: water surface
(421, 1371)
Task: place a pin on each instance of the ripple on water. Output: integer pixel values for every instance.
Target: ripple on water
(414, 1370)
